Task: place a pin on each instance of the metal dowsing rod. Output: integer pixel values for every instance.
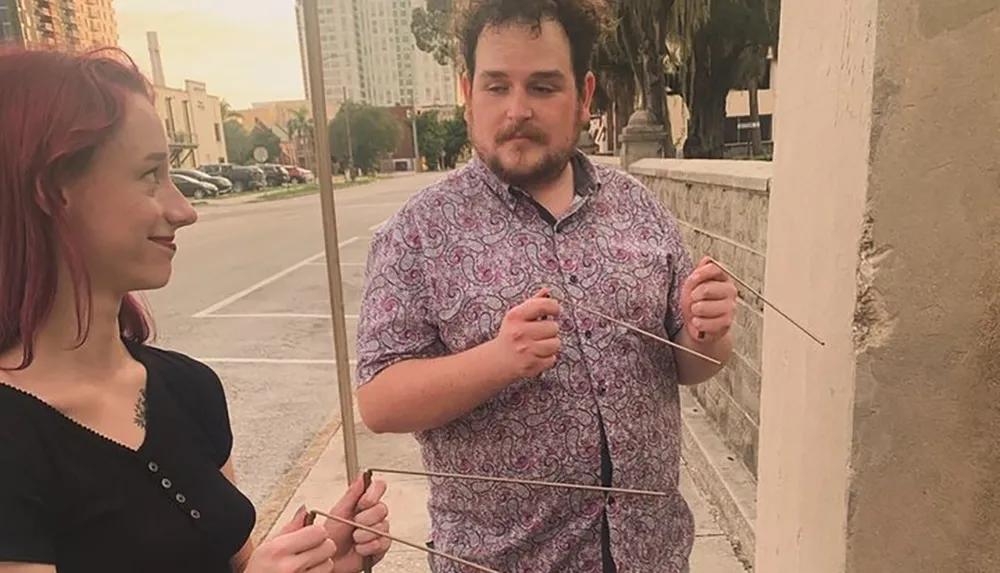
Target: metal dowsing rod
(324, 171)
(520, 481)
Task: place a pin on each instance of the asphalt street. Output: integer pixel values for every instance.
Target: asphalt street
(249, 296)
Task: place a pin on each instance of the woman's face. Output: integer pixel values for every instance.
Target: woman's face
(124, 211)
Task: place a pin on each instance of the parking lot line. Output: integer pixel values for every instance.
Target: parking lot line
(378, 226)
(257, 286)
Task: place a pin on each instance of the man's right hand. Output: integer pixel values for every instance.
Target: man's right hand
(528, 341)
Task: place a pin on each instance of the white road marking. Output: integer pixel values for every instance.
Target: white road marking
(257, 286)
(271, 361)
(279, 315)
(343, 264)
(378, 226)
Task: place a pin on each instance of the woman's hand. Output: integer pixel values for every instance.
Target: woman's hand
(296, 549)
(353, 545)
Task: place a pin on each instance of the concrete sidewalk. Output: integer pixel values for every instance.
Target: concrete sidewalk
(407, 499)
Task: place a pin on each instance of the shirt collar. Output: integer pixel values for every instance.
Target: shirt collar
(586, 180)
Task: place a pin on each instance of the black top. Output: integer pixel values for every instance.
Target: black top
(73, 498)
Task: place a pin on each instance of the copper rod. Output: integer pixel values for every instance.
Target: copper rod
(643, 332)
(764, 300)
(314, 513)
(520, 481)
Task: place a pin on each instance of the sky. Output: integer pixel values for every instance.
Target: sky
(244, 50)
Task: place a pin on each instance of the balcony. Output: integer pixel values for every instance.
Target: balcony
(181, 139)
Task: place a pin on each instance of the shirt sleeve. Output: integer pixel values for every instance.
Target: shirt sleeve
(26, 530)
(396, 322)
(202, 395)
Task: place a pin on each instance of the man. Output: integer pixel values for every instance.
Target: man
(461, 342)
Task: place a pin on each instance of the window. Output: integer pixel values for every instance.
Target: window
(218, 133)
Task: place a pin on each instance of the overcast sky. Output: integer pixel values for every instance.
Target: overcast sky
(245, 50)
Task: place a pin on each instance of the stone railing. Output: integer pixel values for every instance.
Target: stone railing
(722, 207)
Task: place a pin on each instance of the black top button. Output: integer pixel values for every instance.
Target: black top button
(573, 279)
(601, 389)
(587, 334)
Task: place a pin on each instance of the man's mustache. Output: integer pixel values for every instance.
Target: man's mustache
(522, 130)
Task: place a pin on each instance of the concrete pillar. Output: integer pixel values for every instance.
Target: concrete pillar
(880, 452)
(643, 137)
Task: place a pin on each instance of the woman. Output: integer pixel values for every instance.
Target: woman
(114, 454)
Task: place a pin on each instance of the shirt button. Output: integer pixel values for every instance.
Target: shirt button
(573, 279)
(180, 498)
(601, 389)
(195, 514)
(587, 334)
(165, 483)
(153, 467)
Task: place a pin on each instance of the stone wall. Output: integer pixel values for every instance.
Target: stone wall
(722, 210)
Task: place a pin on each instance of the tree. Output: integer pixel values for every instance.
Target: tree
(735, 30)
(455, 138)
(374, 134)
(238, 145)
(430, 136)
(261, 136)
(431, 27)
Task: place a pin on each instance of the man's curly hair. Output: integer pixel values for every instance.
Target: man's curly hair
(585, 22)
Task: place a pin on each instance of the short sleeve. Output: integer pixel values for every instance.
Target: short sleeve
(26, 522)
(200, 392)
(396, 322)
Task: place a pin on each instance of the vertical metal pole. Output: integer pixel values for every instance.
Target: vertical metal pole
(310, 15)
(350, 142)
(417, 161)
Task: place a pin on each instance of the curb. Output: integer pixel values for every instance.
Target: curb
(727, 484)
(270, 510)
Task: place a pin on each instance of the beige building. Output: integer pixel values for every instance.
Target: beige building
(64, 24)
(192, 117)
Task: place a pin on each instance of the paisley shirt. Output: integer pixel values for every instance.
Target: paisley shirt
(441, 275)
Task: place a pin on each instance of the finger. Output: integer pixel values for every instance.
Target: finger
(546, 348)
(542, 330)
(713, 290)
(711, 309)
(301, 541)
(535, 308)
(348, 503)
(373, 515)
(315, 557)
(707, 272)
(376, 545)
(297, 522)
(362, 536)
(712, 326)
(543, 292)
(325, 567)
(372, 497)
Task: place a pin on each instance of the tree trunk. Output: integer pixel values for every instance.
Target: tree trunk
(656, 96)
(756, 146)
(708, 121)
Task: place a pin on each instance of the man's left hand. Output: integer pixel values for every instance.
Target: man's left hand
(365, 508)
(708, 300)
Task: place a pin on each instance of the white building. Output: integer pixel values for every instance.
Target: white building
(369, 52)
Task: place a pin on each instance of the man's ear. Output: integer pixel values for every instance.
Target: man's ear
(587, 97)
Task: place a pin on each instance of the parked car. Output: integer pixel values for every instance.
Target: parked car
(224, 185)
(192, 187)
(276, 175)
(299, 174)
(243, 177)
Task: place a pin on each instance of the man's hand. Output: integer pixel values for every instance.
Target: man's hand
(366, 508)
(708, 300)
(528, 341)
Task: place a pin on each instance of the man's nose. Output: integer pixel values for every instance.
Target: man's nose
(519, 106)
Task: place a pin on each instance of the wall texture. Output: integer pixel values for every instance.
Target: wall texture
(722, 210)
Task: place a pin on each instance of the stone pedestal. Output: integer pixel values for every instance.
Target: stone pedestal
(880, 452)
(643, 137)
(586, 142)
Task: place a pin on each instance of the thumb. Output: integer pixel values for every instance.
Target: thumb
(347, 505)
(297, 522)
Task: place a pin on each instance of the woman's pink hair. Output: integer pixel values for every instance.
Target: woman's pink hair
(56, 110)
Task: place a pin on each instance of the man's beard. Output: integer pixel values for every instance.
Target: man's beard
(551, 166)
